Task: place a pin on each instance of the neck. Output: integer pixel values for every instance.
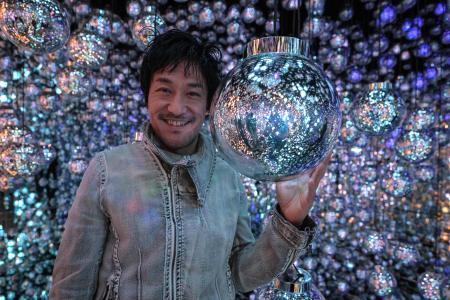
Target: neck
(188, 150)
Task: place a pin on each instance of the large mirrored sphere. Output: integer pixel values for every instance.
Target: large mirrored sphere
(275, 115)
(378, 111)
(36, 25)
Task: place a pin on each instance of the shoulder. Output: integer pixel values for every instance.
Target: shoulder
(122, 151)
(124, 156)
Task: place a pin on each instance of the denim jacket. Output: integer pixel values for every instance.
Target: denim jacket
(149, 224)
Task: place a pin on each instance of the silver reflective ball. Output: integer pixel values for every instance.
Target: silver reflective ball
(379, 110)
(275, 115)
(146, 28)
(37, 25)
(381, 281)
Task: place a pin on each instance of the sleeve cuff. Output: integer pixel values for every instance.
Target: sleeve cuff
(299, 236)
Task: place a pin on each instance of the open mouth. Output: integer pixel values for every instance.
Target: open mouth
(177, 123)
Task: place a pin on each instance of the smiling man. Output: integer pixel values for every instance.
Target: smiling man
(166, 218)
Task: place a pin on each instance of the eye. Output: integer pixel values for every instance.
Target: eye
(163, 90)
(194, 94)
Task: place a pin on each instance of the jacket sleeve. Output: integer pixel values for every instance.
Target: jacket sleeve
(255, 263)
(80, 252)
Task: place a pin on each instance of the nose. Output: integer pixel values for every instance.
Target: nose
(177, 105)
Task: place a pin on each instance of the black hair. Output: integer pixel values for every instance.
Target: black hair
(173, 47)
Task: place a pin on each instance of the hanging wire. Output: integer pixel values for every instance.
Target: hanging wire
(437, 156)
(275, 18)
(310, 27)
(23, 103)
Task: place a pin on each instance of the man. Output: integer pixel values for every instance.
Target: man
(166, 218)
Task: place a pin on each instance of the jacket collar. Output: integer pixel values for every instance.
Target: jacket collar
(153, 142)
(200, 165)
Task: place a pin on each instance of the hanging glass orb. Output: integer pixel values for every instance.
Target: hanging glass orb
(46, 154)
(74, 82)
(429, 285)
(315, 7)
(5, 182)
(206, 17)
(415, 146)
(275, 114)
(18, 160)
(105, 24)
(396, 181)
(147, 27)
(421, 119)
(8, 116)
(291, 4)
(313, 27)
(35, 25)
(134, 8)
(15, 135)
(374, 242)
(294, 284)
(425, 172)
(87, 50)
(349, 133)
(78, 163)
(406, 254)
(379, 110)
(381, 281)
(369, 172)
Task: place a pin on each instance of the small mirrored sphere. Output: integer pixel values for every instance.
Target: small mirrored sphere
(369, 172)
(5, 182)
(275, 115)
(420, 119)
(134, 8)
(425, 172)
(206, 17)
(381, 281)
(74, 82)
(406, 254)
(87, 50)
(77, 166)
(146, 28)
(429, 284)
(248, 15)
(291, 4)
(415, 146)
(36, 25)
(396, 181)
(100, 22)
(315, 7)
(18, 160)
(374, 242)
(8, 117)
(15, 134)
(378, 111)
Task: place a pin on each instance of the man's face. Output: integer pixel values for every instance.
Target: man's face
(177, 107)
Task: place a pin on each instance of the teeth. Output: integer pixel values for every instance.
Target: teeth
(176, 123)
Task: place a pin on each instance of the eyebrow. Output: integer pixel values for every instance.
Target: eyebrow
(191, 84)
